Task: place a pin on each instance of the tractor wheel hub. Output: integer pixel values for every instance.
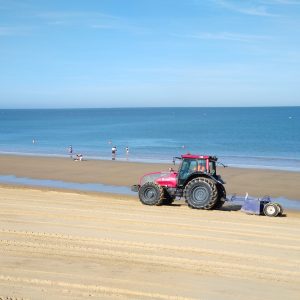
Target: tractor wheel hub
(150, 193)
(200, 194)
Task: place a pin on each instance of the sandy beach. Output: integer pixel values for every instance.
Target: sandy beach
(69, 245)
(58, 245)
(256, 182)
(97, 94)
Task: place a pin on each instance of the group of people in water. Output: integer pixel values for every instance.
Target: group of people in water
(79, 157)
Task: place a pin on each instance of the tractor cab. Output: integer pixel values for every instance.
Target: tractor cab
(196, 165)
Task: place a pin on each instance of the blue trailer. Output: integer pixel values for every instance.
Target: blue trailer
(258, 206)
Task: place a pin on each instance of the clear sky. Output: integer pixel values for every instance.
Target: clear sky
(132, 53)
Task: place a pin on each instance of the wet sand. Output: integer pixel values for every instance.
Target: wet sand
(70, 245)
(254, 181)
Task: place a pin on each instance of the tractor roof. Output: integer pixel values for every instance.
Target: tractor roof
(196, 156)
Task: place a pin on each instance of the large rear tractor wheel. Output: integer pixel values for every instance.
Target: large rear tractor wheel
(221, 197)
(201, 193)
(151, 194)
(218, 204)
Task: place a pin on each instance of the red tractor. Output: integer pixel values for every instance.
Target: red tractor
(196, 180)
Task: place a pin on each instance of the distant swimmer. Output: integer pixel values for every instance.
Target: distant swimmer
(33, 141)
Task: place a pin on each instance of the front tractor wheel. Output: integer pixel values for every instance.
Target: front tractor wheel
(151, 194)
(201, 193)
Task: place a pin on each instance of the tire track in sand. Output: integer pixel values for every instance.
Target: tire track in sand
(98, 290)
(113, 243)
(158, 212)
(155, 248)
(190, 227)
(203, 237)
(195, 265)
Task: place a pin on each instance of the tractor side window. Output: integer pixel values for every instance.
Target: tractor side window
(184, 170)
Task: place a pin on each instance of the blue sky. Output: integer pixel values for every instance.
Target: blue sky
(132, 53)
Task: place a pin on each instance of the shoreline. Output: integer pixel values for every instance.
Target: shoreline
(256, 182)
(253, 162)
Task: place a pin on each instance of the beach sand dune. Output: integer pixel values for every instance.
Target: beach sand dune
(64, 245)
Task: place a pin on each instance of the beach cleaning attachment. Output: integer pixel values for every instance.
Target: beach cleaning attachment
(258, 206)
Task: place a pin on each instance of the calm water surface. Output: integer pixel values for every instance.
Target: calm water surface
(245, 137)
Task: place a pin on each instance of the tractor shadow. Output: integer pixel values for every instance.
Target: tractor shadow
(230, 207)
(236, 207)
(226, 206)
(175, 204)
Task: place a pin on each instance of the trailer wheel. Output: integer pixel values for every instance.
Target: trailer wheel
(151, 194)
(271, 209)
(201, 193)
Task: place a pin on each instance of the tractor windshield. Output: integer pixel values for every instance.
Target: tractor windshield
(189, 166)
(196, 165)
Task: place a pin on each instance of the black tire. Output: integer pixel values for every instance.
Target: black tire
(201, 193)
(151, 194)
(271, 209)
(219, 204)
(280, 209)
(221, 196)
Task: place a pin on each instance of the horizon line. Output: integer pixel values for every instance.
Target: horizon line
(147, 107)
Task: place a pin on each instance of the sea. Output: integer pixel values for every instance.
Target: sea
(248, 137)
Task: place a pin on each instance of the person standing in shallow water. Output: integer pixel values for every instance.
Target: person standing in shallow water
(113, 152)
(127, 152)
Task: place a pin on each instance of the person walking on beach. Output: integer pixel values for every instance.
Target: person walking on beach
(113, 152)
(71, 151)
